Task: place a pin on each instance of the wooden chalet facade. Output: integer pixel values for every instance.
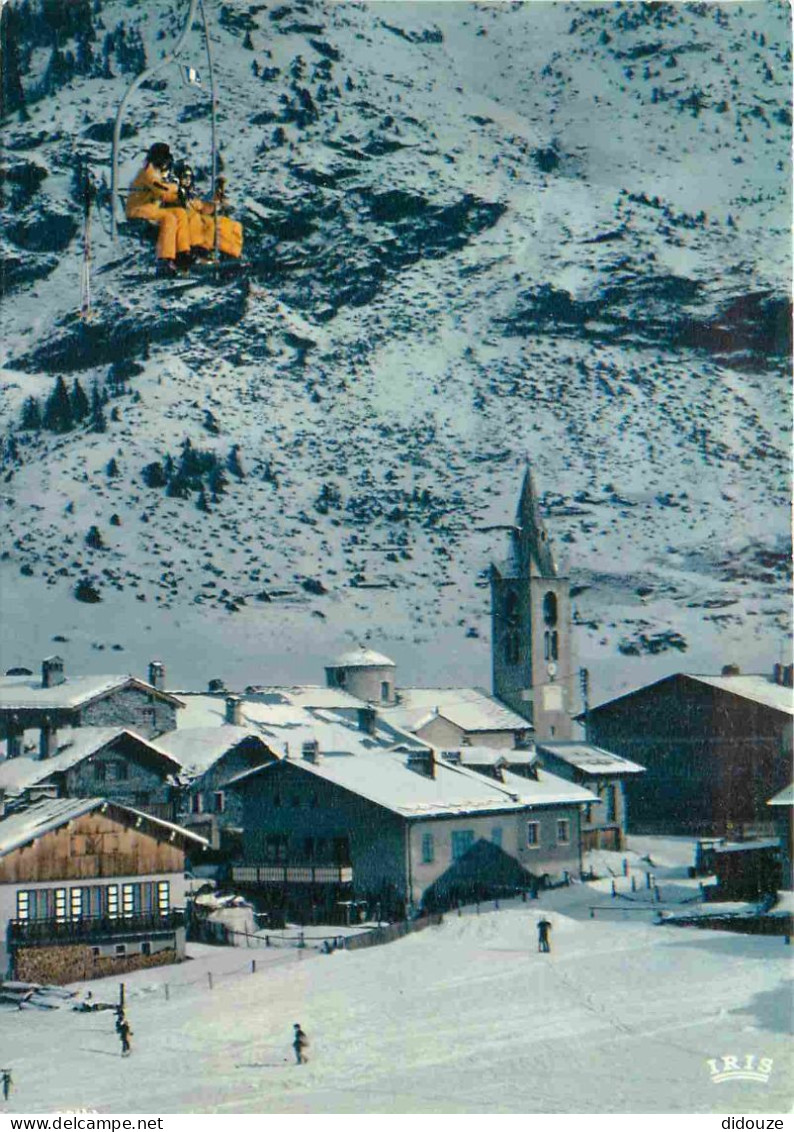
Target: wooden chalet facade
(89, 888)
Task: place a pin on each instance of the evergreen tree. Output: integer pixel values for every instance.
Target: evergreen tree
(98, 422)
(94, 539)
(112, 468)
(12, 95)
(31, 415)
(203, 503)
(58, 410)
(233, 463)
(248, 43)
(217, 483)
(79, 402)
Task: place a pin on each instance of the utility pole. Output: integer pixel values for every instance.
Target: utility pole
(141, 78)
(584, 688)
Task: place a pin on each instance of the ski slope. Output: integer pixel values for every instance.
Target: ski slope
(466, 1017)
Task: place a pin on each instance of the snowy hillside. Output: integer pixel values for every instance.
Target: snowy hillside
(622, 1016)
(478, 234)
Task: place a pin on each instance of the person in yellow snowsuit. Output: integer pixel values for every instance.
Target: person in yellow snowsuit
(153, 198)
(201, 217)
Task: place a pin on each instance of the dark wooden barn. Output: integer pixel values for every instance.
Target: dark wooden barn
(715, 749)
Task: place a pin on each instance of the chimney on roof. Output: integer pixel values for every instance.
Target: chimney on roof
(234, 710)
(157, 675)
(422, 762)
(310, 751)
(783, 674)
(48, 738)
(731, 670)
(52, 672)
(366, 719)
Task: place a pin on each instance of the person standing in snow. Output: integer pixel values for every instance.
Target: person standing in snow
(125, 1033)
(544, 927)
(7, 1082)
(299, 1043)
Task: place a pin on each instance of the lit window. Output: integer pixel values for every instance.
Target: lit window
(563, 831)
(113, 901)
(428, 849)
(127, 899)
(76, 903)
(60, 904)
(533, 834)
(163, 897)
(23, 905)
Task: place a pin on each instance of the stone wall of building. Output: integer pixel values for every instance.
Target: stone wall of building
(114, 773)
(74, 963)
(131, 707)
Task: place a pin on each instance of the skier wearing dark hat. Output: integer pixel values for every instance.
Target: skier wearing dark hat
(202, 216)
(155, 199)
(299, 1043)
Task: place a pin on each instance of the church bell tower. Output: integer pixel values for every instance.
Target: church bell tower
(531, 626)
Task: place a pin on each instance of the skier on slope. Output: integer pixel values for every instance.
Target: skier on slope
(201, 216)
(544, 927)
(152, 197)
(299, 1043)
(125, 1033)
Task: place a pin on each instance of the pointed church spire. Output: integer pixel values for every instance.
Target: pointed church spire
(533, 538)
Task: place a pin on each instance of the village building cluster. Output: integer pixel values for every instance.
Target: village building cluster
(363, 797)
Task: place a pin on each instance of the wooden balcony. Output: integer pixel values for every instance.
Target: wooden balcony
(93, 929)
(269, 874)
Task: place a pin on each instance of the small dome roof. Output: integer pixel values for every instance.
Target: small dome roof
(362, 658)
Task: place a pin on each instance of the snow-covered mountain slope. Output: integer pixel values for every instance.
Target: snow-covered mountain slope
(478, 234)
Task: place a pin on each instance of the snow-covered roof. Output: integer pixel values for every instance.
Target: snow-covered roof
(209, 710)
(746, 846)
(26, 825)
(471, 709)
(19, 773)
(490, 756)
(197, 748)
(18, 693)
(784, 798)
(362, 658)
(590, 759)
(386, 779)
(760, 689)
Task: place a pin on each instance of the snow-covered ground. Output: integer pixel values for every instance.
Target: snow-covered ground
(622, 1016)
